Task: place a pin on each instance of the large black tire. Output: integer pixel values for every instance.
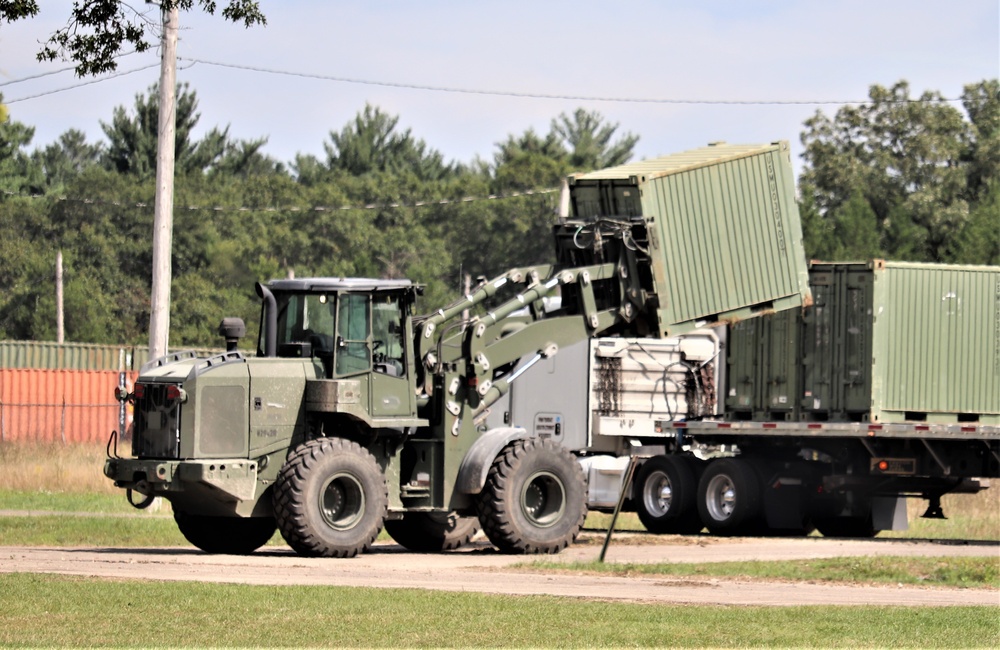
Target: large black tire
(729, 497)
(330, 499)
(665, 496)
(430, 532)
(225, 535)
(860, 527)
(535, 498)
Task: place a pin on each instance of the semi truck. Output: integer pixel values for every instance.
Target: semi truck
(886, 388)
(355, 413)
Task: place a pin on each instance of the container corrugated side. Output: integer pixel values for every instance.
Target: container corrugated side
(67, 406)
(81, 356)
(936, 342)
(68, 356)
(724, 231)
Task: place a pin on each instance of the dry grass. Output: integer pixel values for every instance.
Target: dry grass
(53, 467)
(970, 516)
(76, 469)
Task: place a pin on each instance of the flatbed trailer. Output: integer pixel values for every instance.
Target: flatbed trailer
(843, 478)
(652, 406)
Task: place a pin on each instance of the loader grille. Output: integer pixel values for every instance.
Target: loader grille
(156, 422)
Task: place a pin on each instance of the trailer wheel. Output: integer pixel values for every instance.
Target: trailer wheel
(431, 532)
(846, 527)
(535, 498)
(729, 496)
(225, 535)
(664, 496)
(330, 499)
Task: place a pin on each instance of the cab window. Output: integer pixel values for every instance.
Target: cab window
(387, 336)
(353, 325)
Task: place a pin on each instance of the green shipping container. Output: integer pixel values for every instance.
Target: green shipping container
(882, 342)
(764, 376)
(912, 342)
(721, 225)
(49, 355)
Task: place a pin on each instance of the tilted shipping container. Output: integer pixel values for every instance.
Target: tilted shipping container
(719, 224)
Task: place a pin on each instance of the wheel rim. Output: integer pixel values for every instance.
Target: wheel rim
(657, 494)
(543, 499)
(342, 501)
(721, 497)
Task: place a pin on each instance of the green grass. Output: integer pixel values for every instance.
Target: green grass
(970, 572)
(88, 502)
(64, 611)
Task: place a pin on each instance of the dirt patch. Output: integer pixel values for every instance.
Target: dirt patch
(480, 568)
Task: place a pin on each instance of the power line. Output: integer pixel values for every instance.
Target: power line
(525, 95)
(293, 208)
(475, 91)
(83, 83)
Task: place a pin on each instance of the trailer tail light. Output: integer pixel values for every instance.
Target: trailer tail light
(894, 466)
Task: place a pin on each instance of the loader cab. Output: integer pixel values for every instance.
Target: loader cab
(355, 328)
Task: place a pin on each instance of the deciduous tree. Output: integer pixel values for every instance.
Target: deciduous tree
(918, 163)
(98, 30)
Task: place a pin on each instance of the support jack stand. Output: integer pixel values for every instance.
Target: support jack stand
(934, 510)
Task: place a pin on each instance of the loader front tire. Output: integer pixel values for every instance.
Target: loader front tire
(225, 535)
(535, 498)
(330, 499)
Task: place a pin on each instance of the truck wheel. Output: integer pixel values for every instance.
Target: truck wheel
(225, 535)
(846, 527)
(535, 498)
(432, 532)
(330, 499)
(729, 496)
(665, 489)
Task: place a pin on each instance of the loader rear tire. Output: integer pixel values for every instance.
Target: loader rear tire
(431, 532)
(330, 499)
(535, 498)
(225, 535)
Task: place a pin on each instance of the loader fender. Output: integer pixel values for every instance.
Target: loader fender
(477, 461)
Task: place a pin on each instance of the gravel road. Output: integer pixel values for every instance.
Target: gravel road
(479, 568)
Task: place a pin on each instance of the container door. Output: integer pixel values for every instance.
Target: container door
(856, 320)
(742, 373)
(780, 383)
(819, 349)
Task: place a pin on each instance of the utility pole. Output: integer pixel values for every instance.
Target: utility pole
(163, 216)
(60, 318)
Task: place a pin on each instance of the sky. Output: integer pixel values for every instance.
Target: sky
(519, 57)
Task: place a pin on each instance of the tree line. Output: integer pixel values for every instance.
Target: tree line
(903, 178)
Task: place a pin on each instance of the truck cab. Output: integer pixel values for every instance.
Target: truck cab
(359, 331)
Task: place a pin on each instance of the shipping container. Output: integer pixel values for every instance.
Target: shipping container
(80, 356)
(719, 225)
(764, 377)
(920, 341)
(67, 406)
(66, 356)
(883, 342)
